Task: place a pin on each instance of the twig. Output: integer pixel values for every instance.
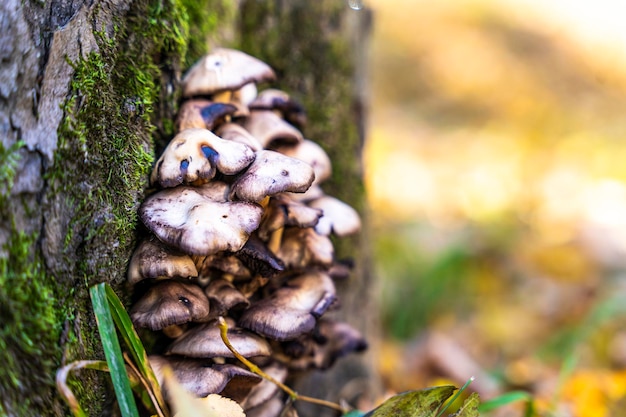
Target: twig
(253, 368)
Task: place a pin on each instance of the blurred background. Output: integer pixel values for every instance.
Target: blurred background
(495, 167)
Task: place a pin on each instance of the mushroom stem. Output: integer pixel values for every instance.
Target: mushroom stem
(275, 239)
(173, 331)
(253, 368)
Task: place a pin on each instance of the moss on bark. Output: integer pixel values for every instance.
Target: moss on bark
(121, 100)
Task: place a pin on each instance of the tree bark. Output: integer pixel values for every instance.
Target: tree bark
(88, 91)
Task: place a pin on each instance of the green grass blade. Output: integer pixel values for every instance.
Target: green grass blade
(137, 351)
(112, 351)
(505, 399)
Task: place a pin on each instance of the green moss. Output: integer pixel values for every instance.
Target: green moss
(28, 337)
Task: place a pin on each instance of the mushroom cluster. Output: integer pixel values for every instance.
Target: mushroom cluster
(239, 227)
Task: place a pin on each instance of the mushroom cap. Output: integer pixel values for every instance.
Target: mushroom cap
(194, 155)
(202, 114)
(223, 297)
(303, 247)
(271, 130)
(314, 191)
(204, 341)
(266, 389)
(236, 133)
(292, 310)
(258, 258)
(284, 211)
(277, 100)
(330, 341)
(338, 217)
(201, 378)
(224, 69)
(153, 259)
(313, 154)
(226, 263)
(272, 173)
(169, 303)
(185, 218)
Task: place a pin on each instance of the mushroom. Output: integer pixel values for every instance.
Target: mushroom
(266, 389)
(279, 101)
(169, 303)
(222, 73)
(330, 341)
(201, 377)
(313, 154)
(236, 133)
(224, 69)
(226, 263)
(272, 173)
(153, 259)
(204, 341)
(202, 114)
(338, 218)
(194, 155)
(293, 309)
(284, 211)
(304, 247)
(223, 297)
(189, 220)
(257, 257)
(270, 129)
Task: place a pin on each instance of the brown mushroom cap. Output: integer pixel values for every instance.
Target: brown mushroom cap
(202, 114)
(187, 219)
(284, 211)
(291, 310)
(194, 155)
(279, 101)
(153, 259)
(266, 389)
(236, 133)
(272, 173)
(225, 263)
(330, 341)
(338, 217)
(313, 154)
(204, 341)
(271, 130)
(201, 377)
(224, 69)
(303, 247)
(223, 297)
(169, 303)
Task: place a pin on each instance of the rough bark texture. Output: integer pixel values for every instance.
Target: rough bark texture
(87, 94)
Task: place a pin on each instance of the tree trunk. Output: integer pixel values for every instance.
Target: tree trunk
(88, 90)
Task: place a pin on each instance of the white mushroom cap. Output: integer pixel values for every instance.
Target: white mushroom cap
(270, 129)
(313, 154)
(272, 173)
(224, 69)
(194, 155)
(338, 217)
(153, 259)
(185, 218)
(293, 309)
